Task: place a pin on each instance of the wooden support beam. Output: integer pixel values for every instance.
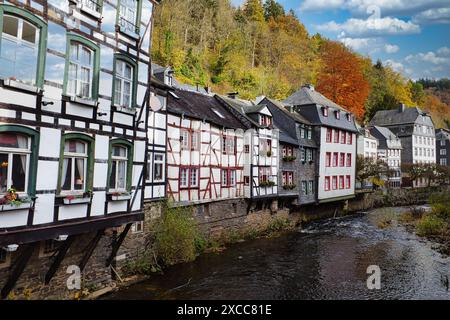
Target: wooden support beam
(19, 267)
(90, 249)
(116, 244)
(62, 251)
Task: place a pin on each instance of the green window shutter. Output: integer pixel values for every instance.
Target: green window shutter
(71, 37)
(34, 135)
(90, 162)
(41, 25)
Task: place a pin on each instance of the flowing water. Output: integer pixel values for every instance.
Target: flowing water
(326, 260)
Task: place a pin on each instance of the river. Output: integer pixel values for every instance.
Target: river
(326, 260)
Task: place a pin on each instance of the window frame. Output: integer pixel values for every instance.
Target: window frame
(134, 80)
(129, 173)
(90, 141)
(33, 135)
(72, 37)
(137, 22)
(43, 34)
(162, 162)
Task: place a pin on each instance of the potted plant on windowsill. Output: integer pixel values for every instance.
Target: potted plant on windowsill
(12, 201)
(289, 186)
(78, 198)
(289, 158)
(269, 153)
(120, 196)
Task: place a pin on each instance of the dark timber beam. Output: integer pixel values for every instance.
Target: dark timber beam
(62, 251)
(19, 267)
(116, 244)
(90, 249)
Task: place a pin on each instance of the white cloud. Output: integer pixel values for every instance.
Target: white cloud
(433, 16)
(391, 48)
(387, 7)
(369, 45)
(371, 27)
(430, 57)
(431, 64)
(444, 51)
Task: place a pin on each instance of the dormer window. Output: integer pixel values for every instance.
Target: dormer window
(325, 111)
(265, 120)
(337, 114)
(349, 117)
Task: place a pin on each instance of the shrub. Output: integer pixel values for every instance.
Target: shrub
(177, 237)
(430, 225)
(277, 225)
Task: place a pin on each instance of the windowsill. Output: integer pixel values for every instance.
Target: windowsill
(127, 110)
(119, 196)
(130, 34)
(76, 201)
(12, 207)
(21, 86)
(82, 101)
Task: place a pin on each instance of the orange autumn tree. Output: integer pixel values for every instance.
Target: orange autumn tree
(341, 78)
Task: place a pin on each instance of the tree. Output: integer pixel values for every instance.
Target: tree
(341, 78)
(375, 170)
(273, 9)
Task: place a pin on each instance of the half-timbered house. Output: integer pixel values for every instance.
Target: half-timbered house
(260, 147)
(205, 150)
(74, 95)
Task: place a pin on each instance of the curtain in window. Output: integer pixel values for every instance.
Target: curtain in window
(22, 143)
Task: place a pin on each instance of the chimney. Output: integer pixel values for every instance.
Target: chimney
(308, 86)
(402, 107)
(232, 95)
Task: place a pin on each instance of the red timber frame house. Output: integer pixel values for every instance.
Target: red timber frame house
(205, 150)
(72, 143)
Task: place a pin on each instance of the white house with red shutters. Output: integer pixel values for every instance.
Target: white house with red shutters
(335, 132)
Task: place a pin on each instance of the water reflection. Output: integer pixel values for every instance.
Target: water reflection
(327, 260)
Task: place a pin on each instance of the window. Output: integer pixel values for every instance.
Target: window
(265, 145)
(265, 120)
(443, 162)
(443, 143)
(329, 135)
(304, 187)
(15, 151)
(82, 68)
(415, 152)
(302, 133)
(189, 178)
(349, 117)
(158, 167)
(118, 171)
(189, 140)
(335, 185)
(443, 152)
(22, 46)
(228, 145)
(349, 160)
(343, 136)
(90, 6)
(137, 227)
(76, 163)
(328, 159)
(325, 111)
(347, 183)
(335, 159)
(309, 133)
(228, 178)
(336, 136)
(247, 148)
(125, 80)
(303, 155)
(264, 174)
(310, 186)
(246, 180)
(327, 184)
(288, 178)
(350, 138)
(128, 16)
(337, 114)
(342, 160)
(341, 182)
(309, 155)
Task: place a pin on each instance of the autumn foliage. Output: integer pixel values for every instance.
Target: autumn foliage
(341, 78)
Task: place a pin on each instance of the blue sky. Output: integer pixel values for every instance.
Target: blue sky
(413, 36)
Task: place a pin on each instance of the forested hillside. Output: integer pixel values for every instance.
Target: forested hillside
(260, 49)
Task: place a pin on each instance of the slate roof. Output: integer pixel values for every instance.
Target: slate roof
(309, 103)
(200, 106)
(294, 115)
(286, 138)
(240, 106)
(396, 116)
(383, 134)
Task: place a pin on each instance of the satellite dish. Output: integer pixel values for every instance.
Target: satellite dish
(155, 103)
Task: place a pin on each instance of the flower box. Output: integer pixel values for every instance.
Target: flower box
(20, 85)
(10, 206)
(70, 201)
(121, 197)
